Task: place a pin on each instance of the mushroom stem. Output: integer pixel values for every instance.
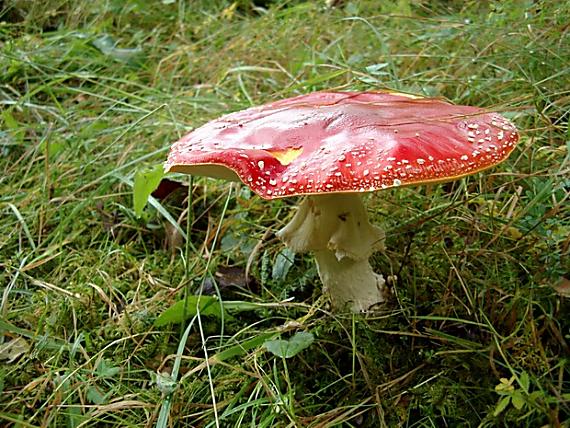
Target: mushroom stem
(336, 229)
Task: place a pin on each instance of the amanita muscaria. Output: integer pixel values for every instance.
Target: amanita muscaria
(334, 146)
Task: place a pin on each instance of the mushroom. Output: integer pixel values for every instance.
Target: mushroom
(334, 146)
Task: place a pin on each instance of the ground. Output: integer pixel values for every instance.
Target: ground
(92, 94)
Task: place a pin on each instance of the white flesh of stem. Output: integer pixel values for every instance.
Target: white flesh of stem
(336, 229)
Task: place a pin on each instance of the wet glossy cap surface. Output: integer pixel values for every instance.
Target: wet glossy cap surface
(328, 142)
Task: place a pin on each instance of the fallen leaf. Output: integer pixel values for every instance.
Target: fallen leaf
(173, 239)
(13, 349)
(166, 187)
(226, 278)
(563, 287)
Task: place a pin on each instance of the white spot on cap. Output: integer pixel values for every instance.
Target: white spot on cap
(261, 164)
(397, 182)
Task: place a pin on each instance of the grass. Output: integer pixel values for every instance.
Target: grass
(90, 92)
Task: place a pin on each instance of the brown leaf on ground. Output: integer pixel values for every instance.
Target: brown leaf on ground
(166, 187)
(228, 278)
(563, 287)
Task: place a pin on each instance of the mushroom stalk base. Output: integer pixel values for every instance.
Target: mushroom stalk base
(336, 229)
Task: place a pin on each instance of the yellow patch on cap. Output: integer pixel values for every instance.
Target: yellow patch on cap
(401, 94)
(285, 157)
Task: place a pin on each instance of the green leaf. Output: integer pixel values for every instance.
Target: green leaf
(146, 181)
(536, 395)
(289, 348)
(9, 120)
(104, 369)
(95, 396)
(152, 201)
(502, 405)
(16, 130)
(518, 400)
(283, 263)
(207, 305)
(524, 381)
(74, 417)
(164, 382)
(53, 147)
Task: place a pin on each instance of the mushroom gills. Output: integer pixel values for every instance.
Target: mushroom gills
(335, 227)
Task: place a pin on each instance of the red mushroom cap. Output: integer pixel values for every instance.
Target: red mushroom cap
(330, 142)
